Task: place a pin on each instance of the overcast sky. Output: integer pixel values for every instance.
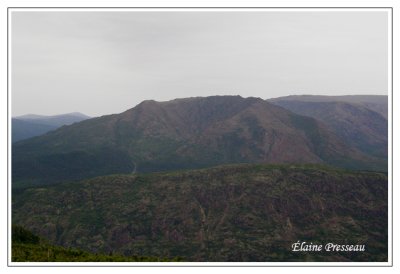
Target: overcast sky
(107, 62)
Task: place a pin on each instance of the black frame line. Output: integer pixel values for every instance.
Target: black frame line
(138, 8)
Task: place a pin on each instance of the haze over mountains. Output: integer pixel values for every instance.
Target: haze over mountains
(192, 133)
(31, 125)
(361, 121)
(377, 103)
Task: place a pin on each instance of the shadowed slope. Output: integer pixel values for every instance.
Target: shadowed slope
(357, 125)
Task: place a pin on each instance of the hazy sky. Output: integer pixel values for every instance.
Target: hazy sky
(107, 62)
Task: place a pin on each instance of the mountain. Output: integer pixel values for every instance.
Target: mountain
(55, 120)
(247, 212)
(182, 134)
(24, 129)
(377, 103)
(356, 124)
(31, 125)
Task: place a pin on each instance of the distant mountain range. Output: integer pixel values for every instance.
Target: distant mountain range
(377, 103)
(31, 125)
(195, 133)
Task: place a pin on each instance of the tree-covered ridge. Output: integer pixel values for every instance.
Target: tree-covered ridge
(226, 213)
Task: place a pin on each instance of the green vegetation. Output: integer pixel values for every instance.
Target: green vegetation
(23, 236)
(27, 247)
(227, 213)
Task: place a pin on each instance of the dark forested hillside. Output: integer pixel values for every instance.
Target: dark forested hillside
(227, 213)
(28, 247)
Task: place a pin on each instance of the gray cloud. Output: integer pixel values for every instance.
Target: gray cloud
(106, 62)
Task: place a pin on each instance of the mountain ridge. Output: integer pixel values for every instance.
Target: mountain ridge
(377, 103)
(32, 125)
(356, 124)
(32, 116)
(182, 134)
